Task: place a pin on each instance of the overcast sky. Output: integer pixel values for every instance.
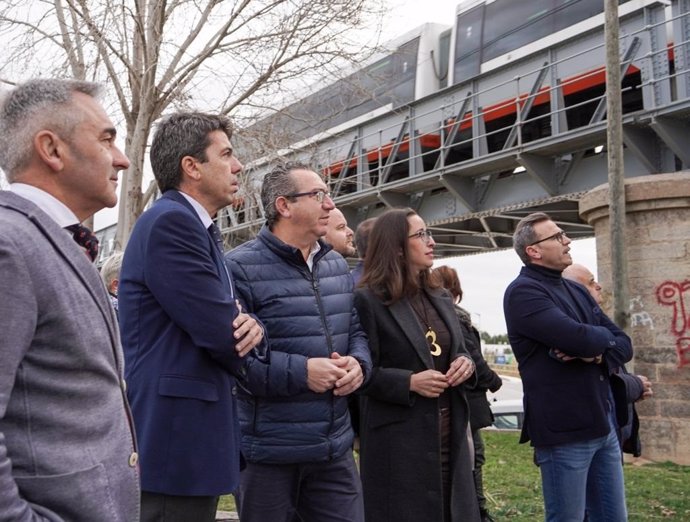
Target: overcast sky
(408, 14)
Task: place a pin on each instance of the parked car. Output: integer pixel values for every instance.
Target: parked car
(509, 414)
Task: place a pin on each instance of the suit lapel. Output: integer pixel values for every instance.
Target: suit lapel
(84, 269)
(218, 260)
(73, 255)
(404, 315)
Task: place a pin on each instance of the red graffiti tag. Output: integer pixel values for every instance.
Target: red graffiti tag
(677, 295)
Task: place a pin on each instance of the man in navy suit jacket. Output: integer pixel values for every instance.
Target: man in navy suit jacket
(184, 337)
(569, 408)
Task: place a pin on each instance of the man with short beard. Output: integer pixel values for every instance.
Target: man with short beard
(569, 412)
(339, 235)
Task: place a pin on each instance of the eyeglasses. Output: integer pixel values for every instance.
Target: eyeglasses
(318, 195)
(558, 236)
(423, 235)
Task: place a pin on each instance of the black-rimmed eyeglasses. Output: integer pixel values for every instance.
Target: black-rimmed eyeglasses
(558, 236)
(318, 195)
(423, 235)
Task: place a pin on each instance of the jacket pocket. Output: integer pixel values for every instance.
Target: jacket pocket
(78, 496)
(187, 388)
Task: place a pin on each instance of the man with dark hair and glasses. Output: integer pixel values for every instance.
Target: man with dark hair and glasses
(564, 344)
(296, 431)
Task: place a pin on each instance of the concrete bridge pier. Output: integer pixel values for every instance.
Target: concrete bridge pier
(658, 241)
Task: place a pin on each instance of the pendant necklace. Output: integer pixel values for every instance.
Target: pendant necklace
(430, 334)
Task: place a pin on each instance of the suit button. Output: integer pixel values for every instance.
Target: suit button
(133, 459)
(601, 377)
(124, 386)
(234, 391)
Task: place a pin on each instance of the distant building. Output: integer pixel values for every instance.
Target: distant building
(106, 242)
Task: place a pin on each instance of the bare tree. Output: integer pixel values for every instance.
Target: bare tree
(170, 54)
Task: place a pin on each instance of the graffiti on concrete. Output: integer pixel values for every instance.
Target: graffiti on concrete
(677, 296)
(638, 316)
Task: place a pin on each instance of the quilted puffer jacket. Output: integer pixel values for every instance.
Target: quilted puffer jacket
(306, 314)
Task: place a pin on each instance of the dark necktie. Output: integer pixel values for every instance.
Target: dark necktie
(214, 231)
(217, 238)
(85, 239)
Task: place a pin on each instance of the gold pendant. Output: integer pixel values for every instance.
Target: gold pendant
(431, 337)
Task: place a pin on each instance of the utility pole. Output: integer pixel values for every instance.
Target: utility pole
(614, 138)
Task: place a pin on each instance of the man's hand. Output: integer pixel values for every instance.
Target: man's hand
(429, 383)
(248, 332)
(567, 358)
(647, 384)
(460, 370)
(323, 373)
(354, 377)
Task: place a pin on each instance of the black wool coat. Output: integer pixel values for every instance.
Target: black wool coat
(400, 453)
(487, 379)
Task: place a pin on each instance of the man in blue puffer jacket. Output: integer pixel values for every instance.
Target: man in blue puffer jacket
(296, 430)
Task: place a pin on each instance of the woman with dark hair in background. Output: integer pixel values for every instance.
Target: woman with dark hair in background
(416, 459)
(487, 379)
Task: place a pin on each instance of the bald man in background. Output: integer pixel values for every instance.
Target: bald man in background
(627, 388)
(339, 235)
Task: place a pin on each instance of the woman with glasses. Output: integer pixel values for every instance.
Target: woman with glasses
(416, 457)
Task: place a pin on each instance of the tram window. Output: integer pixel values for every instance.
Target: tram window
(541, 18)
(502, 35)
(468, 44)
(402, 85)
(569, 12)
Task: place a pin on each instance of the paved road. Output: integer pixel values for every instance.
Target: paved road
(511, 389)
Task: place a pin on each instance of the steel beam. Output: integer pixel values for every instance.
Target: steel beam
(542, 170)
(523, 113)
(388, 166)
(453, 132)
(393, 199)
(681, 50)
(676, 135)
(462, 188)
(643, 143)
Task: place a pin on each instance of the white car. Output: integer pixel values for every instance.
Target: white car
(508, 414)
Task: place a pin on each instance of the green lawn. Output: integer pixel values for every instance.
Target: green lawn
(654, 491)
(513, 488)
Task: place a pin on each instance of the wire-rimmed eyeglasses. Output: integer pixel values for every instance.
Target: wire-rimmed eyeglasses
(558, 236)
(423, 235)
(318, 195)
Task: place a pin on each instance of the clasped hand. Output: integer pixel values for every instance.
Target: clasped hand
(342, 374)
(432, 383)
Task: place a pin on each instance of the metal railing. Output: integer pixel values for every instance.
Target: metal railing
(480, 128)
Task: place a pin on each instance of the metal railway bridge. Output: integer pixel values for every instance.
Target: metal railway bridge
(528, 135)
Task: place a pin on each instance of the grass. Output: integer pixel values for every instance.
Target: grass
(513, 486)
(227, 503)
